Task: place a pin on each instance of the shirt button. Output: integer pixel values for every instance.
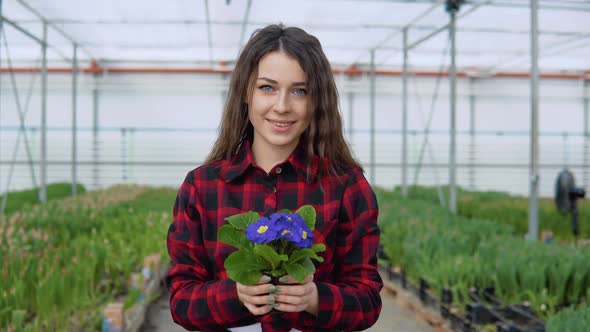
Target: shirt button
(274, 189)
(278, 170)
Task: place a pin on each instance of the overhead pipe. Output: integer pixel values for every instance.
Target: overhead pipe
(95, 69)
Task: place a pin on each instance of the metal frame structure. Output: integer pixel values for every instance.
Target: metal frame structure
(533, 232)
(44, 70)
(586, 153)
(404, 49)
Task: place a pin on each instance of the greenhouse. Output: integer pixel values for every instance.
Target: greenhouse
(470, 119)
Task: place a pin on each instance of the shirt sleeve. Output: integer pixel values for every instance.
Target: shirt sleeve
(353, 302)
(197, 300)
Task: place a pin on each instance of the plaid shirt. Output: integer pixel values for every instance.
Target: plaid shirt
(201, 295)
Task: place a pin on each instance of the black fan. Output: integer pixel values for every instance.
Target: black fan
(566, 197)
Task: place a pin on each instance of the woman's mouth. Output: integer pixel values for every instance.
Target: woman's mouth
(281, 126)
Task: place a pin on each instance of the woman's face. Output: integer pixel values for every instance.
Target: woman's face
(278, 110)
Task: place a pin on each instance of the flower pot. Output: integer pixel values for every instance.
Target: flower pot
(447, 296)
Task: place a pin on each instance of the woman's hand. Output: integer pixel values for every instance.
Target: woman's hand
(295, 297)
(257, 298)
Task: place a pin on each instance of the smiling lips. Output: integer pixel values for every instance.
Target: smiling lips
(281, 124)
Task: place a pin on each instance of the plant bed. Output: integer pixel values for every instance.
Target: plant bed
(508, 318)
(483, 311)
(128, 315)
(449, 250)
(460, 324)
(408, 299)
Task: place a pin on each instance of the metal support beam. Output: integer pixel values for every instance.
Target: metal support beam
(1, 34)
(22, 113)
(405, 116)
(124, 155)
(312, 25)
(24, 31)
(548, 49)
(16, 25)
(533, 232)
(209, 38)
(453, 105)
(95, 147)
(43, 187)
(244, 24)
(471, 134)
(397, 30)
(447, 26)
(586, 101)
(372, 88)
(350, 96)
(54, 27)
(224, 91)
(74, 121)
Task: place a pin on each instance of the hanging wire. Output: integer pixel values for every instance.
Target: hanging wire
(425, 142)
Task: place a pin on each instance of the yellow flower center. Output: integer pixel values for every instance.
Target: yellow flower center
(285, 232)
(262, 229)
(304, 235)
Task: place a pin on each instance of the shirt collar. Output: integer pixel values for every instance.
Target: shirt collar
(244, 158)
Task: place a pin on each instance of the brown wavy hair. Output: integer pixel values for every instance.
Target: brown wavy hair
(324, 136)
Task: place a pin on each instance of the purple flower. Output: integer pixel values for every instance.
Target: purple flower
(293, 229)
(264, 230)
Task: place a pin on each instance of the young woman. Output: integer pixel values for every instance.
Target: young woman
(280, 146)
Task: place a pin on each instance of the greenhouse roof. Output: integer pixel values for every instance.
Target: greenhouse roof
(492, 35)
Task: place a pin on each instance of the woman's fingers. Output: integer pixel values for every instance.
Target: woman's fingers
(257, 310)
(295, 298)
(290, 296)
(256, 289)
(291, 293)
(287, 279)
(291, 299)
(290, 307)
(260, 299)
(257, 298)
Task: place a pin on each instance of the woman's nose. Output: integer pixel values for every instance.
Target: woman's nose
(282, 103)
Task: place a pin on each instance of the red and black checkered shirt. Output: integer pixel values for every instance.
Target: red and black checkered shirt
(201, 295)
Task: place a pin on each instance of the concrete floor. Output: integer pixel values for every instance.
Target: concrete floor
(393, 318)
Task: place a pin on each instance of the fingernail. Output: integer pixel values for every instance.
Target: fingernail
(284, 279)
(271, 299)
(272, 288)
(265, 279)
(277, 290)
(273, 305)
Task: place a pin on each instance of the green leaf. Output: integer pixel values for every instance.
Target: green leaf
(243, 220)
(248, 278)
(278, 272)
(301, 254)
(234, 237)
(296, 270)
(308, 265)
(307, 212)
(270, 255)
(318, 247)
(245, 268)
(284, 210)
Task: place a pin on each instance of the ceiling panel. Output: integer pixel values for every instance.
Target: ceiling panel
(493, 34)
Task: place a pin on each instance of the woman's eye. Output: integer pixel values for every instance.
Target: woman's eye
(266, 88)
(299, 92)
